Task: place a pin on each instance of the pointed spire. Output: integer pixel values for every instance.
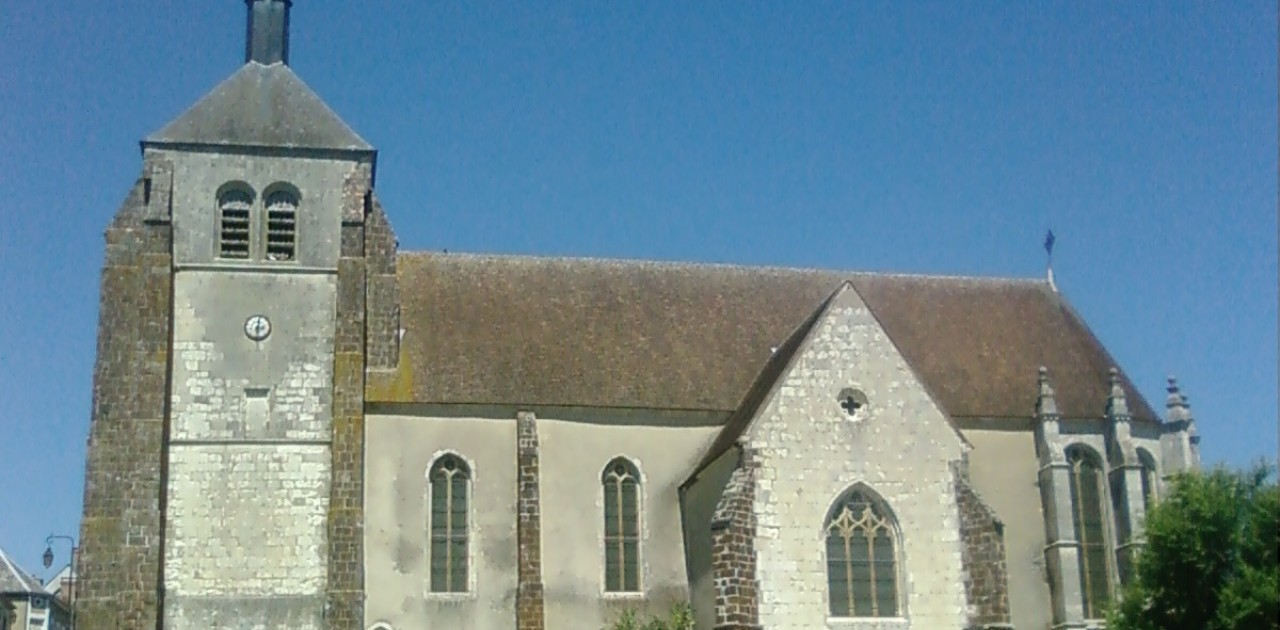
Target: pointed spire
(1176, 403)
(1046, 405)
(1117, 402)
(267, 41)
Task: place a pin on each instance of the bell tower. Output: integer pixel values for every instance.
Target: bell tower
(224, 477)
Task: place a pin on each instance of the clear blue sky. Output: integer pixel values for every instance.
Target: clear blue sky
(939, 137)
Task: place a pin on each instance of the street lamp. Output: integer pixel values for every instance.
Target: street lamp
(48, 562)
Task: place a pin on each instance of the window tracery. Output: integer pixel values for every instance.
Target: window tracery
(449, 482)
(861, 557)
(621, 481)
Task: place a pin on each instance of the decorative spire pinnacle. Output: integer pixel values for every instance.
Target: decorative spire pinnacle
(1117, 402)
(1046, 405)
(267, 41)
(1176, 403)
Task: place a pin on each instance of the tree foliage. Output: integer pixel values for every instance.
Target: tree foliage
(679, 618)
(1209, 561)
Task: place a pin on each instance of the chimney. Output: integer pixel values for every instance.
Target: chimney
(267, 41)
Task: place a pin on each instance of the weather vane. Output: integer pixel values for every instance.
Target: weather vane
(1048, 249)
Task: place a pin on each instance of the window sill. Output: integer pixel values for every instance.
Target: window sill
(869, 623)
(434, 596)
(222, 264)
(624, 595)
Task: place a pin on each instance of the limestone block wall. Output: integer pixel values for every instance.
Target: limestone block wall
(198, 176)
(249, 455)
(811, 451)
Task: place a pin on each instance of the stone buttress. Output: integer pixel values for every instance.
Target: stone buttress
(121, 534)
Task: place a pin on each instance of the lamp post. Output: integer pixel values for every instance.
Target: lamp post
(48, 561)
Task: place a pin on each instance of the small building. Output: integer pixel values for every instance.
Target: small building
(25, 604)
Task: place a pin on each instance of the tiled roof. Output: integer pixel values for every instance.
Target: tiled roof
(608, 333)
(261, 105)
(14, 580)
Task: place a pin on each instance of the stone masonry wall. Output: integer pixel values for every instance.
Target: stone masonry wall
(383, 320)
(898, 444)
(733, 552)
(121, 533)
(344, 606)
(986, 580)
(530, 613)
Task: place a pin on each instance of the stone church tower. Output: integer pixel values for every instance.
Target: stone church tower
(223, 485)
(559, 440)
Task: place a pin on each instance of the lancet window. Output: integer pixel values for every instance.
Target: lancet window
(862, 577)
(449, 488)
(621, 481)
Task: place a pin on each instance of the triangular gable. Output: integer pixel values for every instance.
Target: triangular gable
(261, 106)
(776, 370)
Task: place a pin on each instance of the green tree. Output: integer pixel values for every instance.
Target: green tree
(680, 618)
(1209, 561)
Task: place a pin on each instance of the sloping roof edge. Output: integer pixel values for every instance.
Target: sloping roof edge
(766, 382)
(261, 106)
(14, 580)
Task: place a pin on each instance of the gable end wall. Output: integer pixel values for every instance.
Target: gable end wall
(811, 452)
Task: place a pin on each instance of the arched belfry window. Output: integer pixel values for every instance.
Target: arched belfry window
(1149, 478)
(862, 571)
(235, 203)
(621, 482)
(449, 482)
(282, 219)
(1087, 516)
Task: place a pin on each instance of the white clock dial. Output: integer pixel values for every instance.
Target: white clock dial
(257, 327)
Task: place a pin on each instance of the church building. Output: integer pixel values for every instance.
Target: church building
(296, 425)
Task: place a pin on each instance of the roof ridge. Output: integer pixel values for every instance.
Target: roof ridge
(643, 262)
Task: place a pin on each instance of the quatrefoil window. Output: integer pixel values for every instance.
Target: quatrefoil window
(853, 402)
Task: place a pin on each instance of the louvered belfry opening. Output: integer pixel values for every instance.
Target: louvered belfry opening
(282, 218)
(234, 206)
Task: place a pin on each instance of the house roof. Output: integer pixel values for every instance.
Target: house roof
(516, 330)
(265, 106)
(13, 580)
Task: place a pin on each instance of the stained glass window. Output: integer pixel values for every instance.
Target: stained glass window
(862, 578)
(448, 524)
(1087, 495)
(621, 527)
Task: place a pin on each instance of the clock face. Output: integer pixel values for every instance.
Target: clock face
(257, 327)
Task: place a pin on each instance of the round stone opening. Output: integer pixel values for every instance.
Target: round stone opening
(853, 403)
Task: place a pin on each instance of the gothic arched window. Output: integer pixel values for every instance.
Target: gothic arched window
(1087, 495)
(234, 205)
(621, 482)
(282, 219)
(862, 572)
(1149, 478)
(449, 479)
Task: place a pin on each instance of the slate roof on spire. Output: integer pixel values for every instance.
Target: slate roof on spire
(261, 106)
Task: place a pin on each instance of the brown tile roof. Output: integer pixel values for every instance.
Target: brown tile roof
(607, 333)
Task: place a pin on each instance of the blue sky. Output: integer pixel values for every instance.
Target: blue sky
(931, 137)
